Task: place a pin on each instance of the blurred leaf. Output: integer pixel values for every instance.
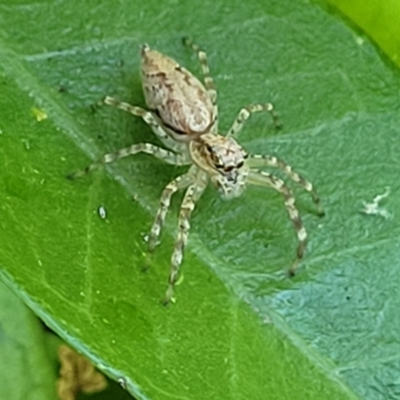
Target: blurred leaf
(240, 329)
(26, 369)
(379, 19)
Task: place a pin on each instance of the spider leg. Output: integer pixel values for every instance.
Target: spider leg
(192, 195)
(245, 113)
(257, 161)
(150, 118)
(208, 80)
(181, 182)
(262, 178)
(162, 154)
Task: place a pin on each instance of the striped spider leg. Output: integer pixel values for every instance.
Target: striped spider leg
(208, 80)
(195, 181)
(175, 133)
(262, 178)
(231, 169)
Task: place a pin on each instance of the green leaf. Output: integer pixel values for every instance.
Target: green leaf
(26, 368)
(240, 328)
(380, 20)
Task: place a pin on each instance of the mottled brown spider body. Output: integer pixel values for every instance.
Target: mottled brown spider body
(177, 96)
(184, 115)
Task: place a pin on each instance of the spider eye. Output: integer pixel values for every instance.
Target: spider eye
(229, 169)
(240, 165)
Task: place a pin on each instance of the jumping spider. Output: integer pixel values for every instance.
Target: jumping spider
(184, 116)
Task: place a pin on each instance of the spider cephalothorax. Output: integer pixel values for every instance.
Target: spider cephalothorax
(224, 161)
(184, 116)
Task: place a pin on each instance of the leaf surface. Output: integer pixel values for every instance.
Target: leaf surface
(240, 328)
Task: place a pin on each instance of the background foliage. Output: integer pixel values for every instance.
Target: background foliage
(240, 327)
(379, 19)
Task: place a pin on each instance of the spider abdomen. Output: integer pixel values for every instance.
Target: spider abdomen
(179, 98)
